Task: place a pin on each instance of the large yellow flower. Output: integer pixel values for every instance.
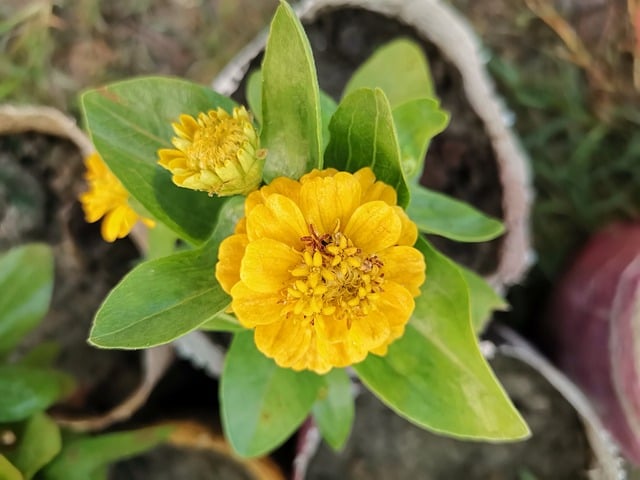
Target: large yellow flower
(323, 269)
(107, 198)
(216, 152)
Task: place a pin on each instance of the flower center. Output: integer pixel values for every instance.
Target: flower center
(333, 278)
(218, 140)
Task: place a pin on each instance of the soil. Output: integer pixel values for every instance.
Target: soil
(40, 178)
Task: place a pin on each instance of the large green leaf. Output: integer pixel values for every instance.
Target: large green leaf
(26, 282)
(253, 93)
(363, 135)
(84, 457)
(439, 214)
(417, 122)
(25, 390)
(291, 125)
(38, 443)
(262, 404)
(483, 299)
(8, 471)
(435, 375)
(128, 122)
(399, 68)
(334, 409)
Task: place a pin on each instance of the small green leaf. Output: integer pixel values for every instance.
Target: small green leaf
(441, 215)
(8, 471)
(26, 282)
(417, 122)
(435, 375)
(86, 457)
(26, 390)
(254, 95)
(262, 404)
(333, 412)
(185, 296)
(291, 128)
(382, 70)
(128, 122)
(38, 443)
(363, 135)
(159, 301)
(222, 322)
(483, 299)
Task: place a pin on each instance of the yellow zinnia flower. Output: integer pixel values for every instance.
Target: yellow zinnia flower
(107, 198)
(323, 269)
(217, 153)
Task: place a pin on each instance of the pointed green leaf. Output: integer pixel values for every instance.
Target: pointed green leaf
(38, 443)
(291, 128)
(334, 409)
(222, 322)
(8, 471)
(399, 68)
(254, 95)
(86, 457)
(26, 282)
(483, 299)
(185, 294)
(435, 375)
(128, 122)
(26, 390)
(363, 135)
(441, 215)
(417, 122)
(159, 301)
(262, 404)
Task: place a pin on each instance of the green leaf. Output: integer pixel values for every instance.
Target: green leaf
(363, 135)
(399, 68)
(435, 375)
(222, 322)
(8, 471)
(38, 443)
(128, 122)
(254, 94)
(333, 412)
(86, 457)
(185, 295)
(417, 122)
(483, 299)
(26, 282)
(441, 215)
(159, 301)
(161, 241)
(262, 404)
(25, 390)
(291, 128)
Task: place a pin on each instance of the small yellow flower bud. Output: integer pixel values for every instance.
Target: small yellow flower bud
(216, 152)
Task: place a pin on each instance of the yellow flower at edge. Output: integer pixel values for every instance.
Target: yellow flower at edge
(107, 198)
(216, 152)
(323, 269)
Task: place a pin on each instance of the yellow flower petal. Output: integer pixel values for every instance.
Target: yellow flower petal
(254, 308)
(409, 233)
(374, 226)
(404, 265)
(266, 264)
(230, 254)
(278, 218)
(107, 199)
(286, 342)
(328, 202)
